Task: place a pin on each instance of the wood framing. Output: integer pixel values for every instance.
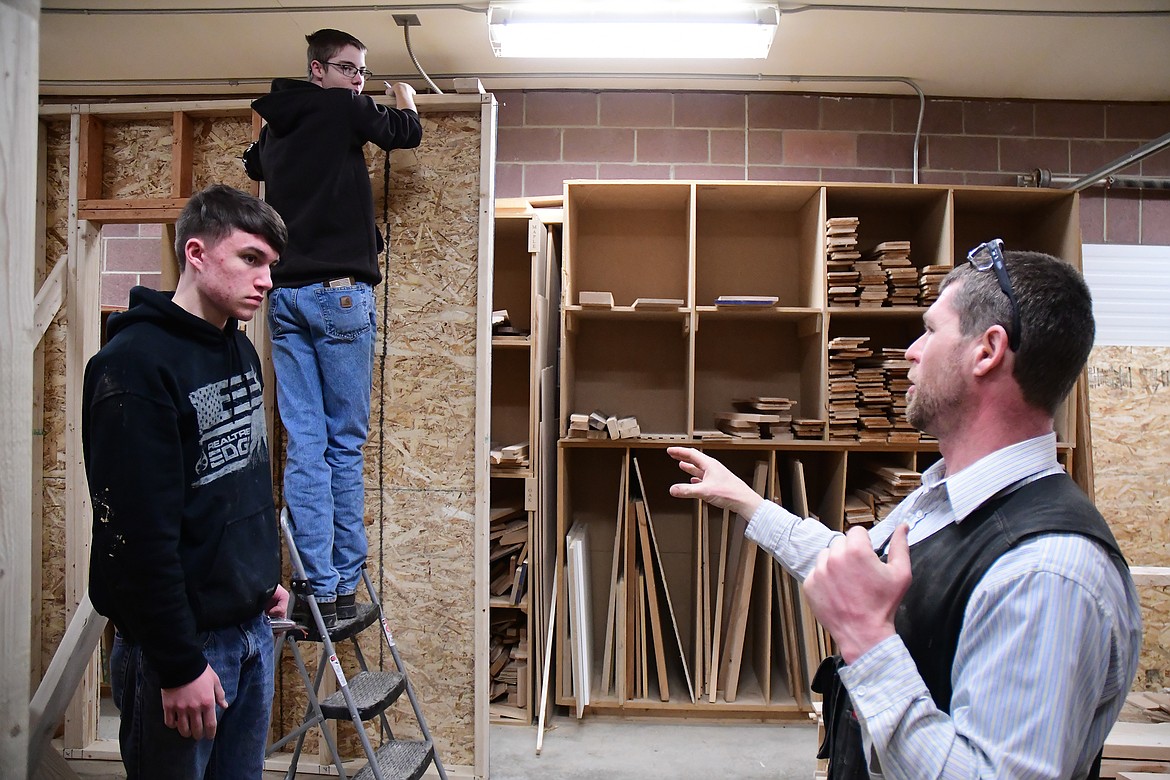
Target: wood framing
(18, 151)
(440, 208)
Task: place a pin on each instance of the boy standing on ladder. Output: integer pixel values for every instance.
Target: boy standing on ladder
(321, 309)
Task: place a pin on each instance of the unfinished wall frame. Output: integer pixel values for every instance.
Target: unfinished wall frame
(441, 208)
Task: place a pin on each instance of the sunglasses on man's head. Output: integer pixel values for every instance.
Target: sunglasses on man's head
(990, 255)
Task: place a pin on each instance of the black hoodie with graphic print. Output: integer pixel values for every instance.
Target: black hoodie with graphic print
(176, 451)
(310, 157)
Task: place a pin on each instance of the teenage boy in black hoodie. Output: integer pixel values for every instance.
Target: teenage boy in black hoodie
(321, 310)
(185, 558)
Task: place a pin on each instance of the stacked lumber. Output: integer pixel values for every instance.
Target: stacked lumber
(896, 368)
(639, 607)
(881, 488)
(844, 414)
(930, 278)
(840, 253)
(759, 417)
(808, 428)
(873, 400)
(509, 456)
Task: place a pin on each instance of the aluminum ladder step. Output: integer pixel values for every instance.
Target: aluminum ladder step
(373, 692)
(400, 759)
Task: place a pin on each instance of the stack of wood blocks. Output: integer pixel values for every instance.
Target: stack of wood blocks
(598, 425)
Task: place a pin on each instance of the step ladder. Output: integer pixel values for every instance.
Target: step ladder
(364, 697)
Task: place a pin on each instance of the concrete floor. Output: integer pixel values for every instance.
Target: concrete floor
(625, 750)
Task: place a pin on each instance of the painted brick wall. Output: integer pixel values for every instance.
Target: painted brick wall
(546, 137)
(131, 255)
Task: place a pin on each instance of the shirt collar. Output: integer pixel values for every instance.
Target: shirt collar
(989, 475)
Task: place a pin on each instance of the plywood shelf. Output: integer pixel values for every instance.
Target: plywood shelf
(676, 370)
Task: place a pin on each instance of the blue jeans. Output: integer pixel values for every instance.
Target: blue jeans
(323, 352)
(242, 657)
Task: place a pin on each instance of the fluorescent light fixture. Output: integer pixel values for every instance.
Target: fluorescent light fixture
(685, 29)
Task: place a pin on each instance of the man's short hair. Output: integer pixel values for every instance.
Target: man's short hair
(1056, 320)
(325, 43)
(213, 213)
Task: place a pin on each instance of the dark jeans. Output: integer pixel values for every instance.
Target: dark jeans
(242, 657)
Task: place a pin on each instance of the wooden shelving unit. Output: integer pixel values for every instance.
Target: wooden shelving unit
(526, 275)
(676, 367)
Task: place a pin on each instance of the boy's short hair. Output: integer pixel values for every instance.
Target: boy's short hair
(325, 43)
(213, 213)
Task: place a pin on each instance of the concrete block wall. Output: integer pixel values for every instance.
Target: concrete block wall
(548, 136)
(131, 255)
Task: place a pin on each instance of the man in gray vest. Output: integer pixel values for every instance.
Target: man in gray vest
(988, 627)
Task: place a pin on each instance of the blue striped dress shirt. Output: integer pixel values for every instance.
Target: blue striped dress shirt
(1047, 655)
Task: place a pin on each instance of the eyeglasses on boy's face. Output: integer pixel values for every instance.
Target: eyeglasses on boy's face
(349, 71)
(990, 256)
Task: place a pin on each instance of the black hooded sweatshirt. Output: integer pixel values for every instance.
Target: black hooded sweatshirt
(176, 450)
(310, 157)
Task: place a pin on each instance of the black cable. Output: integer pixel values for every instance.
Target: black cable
(382, 398)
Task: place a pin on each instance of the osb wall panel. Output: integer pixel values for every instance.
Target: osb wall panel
(423, 432)
(420, 511)
(1129, 400)
(217, 147)
(52, 425)
(420, 475)
(137, 159)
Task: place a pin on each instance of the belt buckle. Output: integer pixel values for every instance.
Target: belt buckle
(345, 281)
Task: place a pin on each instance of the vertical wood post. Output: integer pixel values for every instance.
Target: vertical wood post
(19, 46)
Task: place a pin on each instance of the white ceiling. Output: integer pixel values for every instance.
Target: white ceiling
(1037, 49)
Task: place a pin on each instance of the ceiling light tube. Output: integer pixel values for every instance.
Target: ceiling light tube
(685, 29)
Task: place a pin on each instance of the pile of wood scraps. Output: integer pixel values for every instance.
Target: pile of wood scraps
(598, 425)
(508, 553)
(508, 567)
